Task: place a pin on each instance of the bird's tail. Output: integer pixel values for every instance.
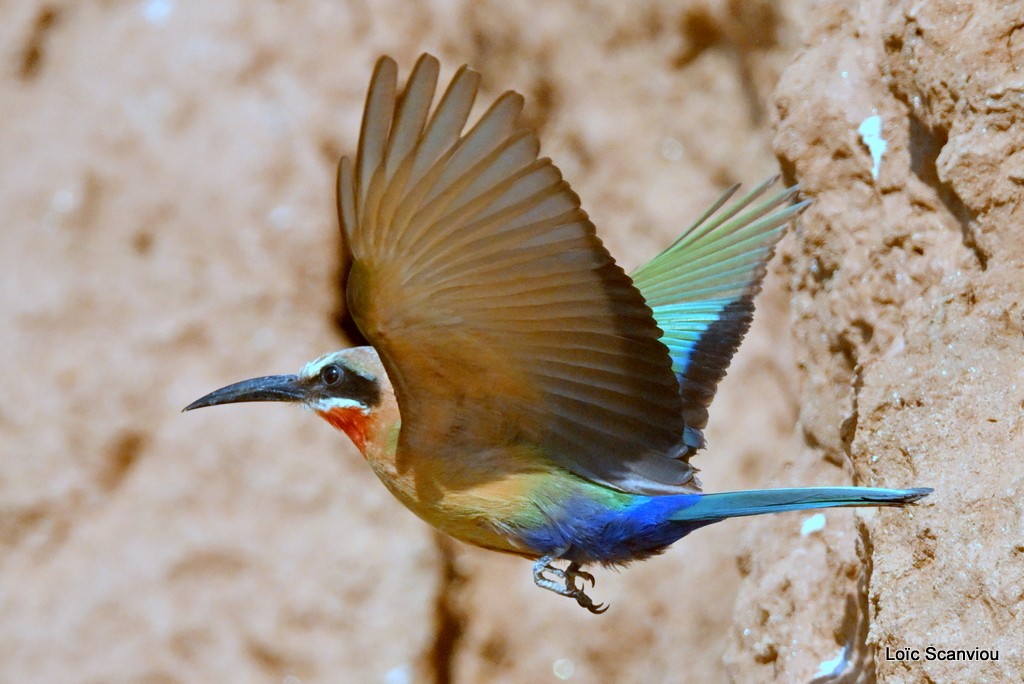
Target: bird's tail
(719, 506)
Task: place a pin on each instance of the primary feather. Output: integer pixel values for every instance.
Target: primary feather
(497, 312)
(702, 288)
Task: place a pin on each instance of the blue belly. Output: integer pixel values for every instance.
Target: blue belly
(585, 531)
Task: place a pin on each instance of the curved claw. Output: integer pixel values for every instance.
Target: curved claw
(586, 602)
(574, 571)
(586, 577)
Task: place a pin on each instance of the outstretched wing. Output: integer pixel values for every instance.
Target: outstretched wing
(702, 288)
(500, 317)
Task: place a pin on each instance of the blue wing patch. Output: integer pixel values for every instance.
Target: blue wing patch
(702, 288)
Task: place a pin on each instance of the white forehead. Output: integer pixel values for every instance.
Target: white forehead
(343, 358)
(313, 367)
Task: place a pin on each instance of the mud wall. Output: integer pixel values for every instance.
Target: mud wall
(907, 325)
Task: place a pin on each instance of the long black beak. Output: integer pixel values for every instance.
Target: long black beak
(269, 388)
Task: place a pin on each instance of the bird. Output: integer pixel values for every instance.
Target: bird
(520, 392)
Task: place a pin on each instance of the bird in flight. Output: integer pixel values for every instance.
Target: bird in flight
(522, 392)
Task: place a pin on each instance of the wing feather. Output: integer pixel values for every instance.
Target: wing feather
(497, 312)
(411, 114)
(702, 290)
(373, 135)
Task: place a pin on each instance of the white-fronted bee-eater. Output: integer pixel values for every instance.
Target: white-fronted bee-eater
(522, 392)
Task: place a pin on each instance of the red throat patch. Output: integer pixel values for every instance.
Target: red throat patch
(354, 422)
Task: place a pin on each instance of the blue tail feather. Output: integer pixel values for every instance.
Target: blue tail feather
(719, 506)
(649, 524)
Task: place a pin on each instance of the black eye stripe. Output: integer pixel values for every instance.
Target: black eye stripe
(350, 385)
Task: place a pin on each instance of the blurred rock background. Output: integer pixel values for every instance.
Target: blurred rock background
(168, 227)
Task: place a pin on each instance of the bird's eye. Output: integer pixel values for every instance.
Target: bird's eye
(331, 374)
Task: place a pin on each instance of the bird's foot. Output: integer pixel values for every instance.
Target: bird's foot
(565, 582)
